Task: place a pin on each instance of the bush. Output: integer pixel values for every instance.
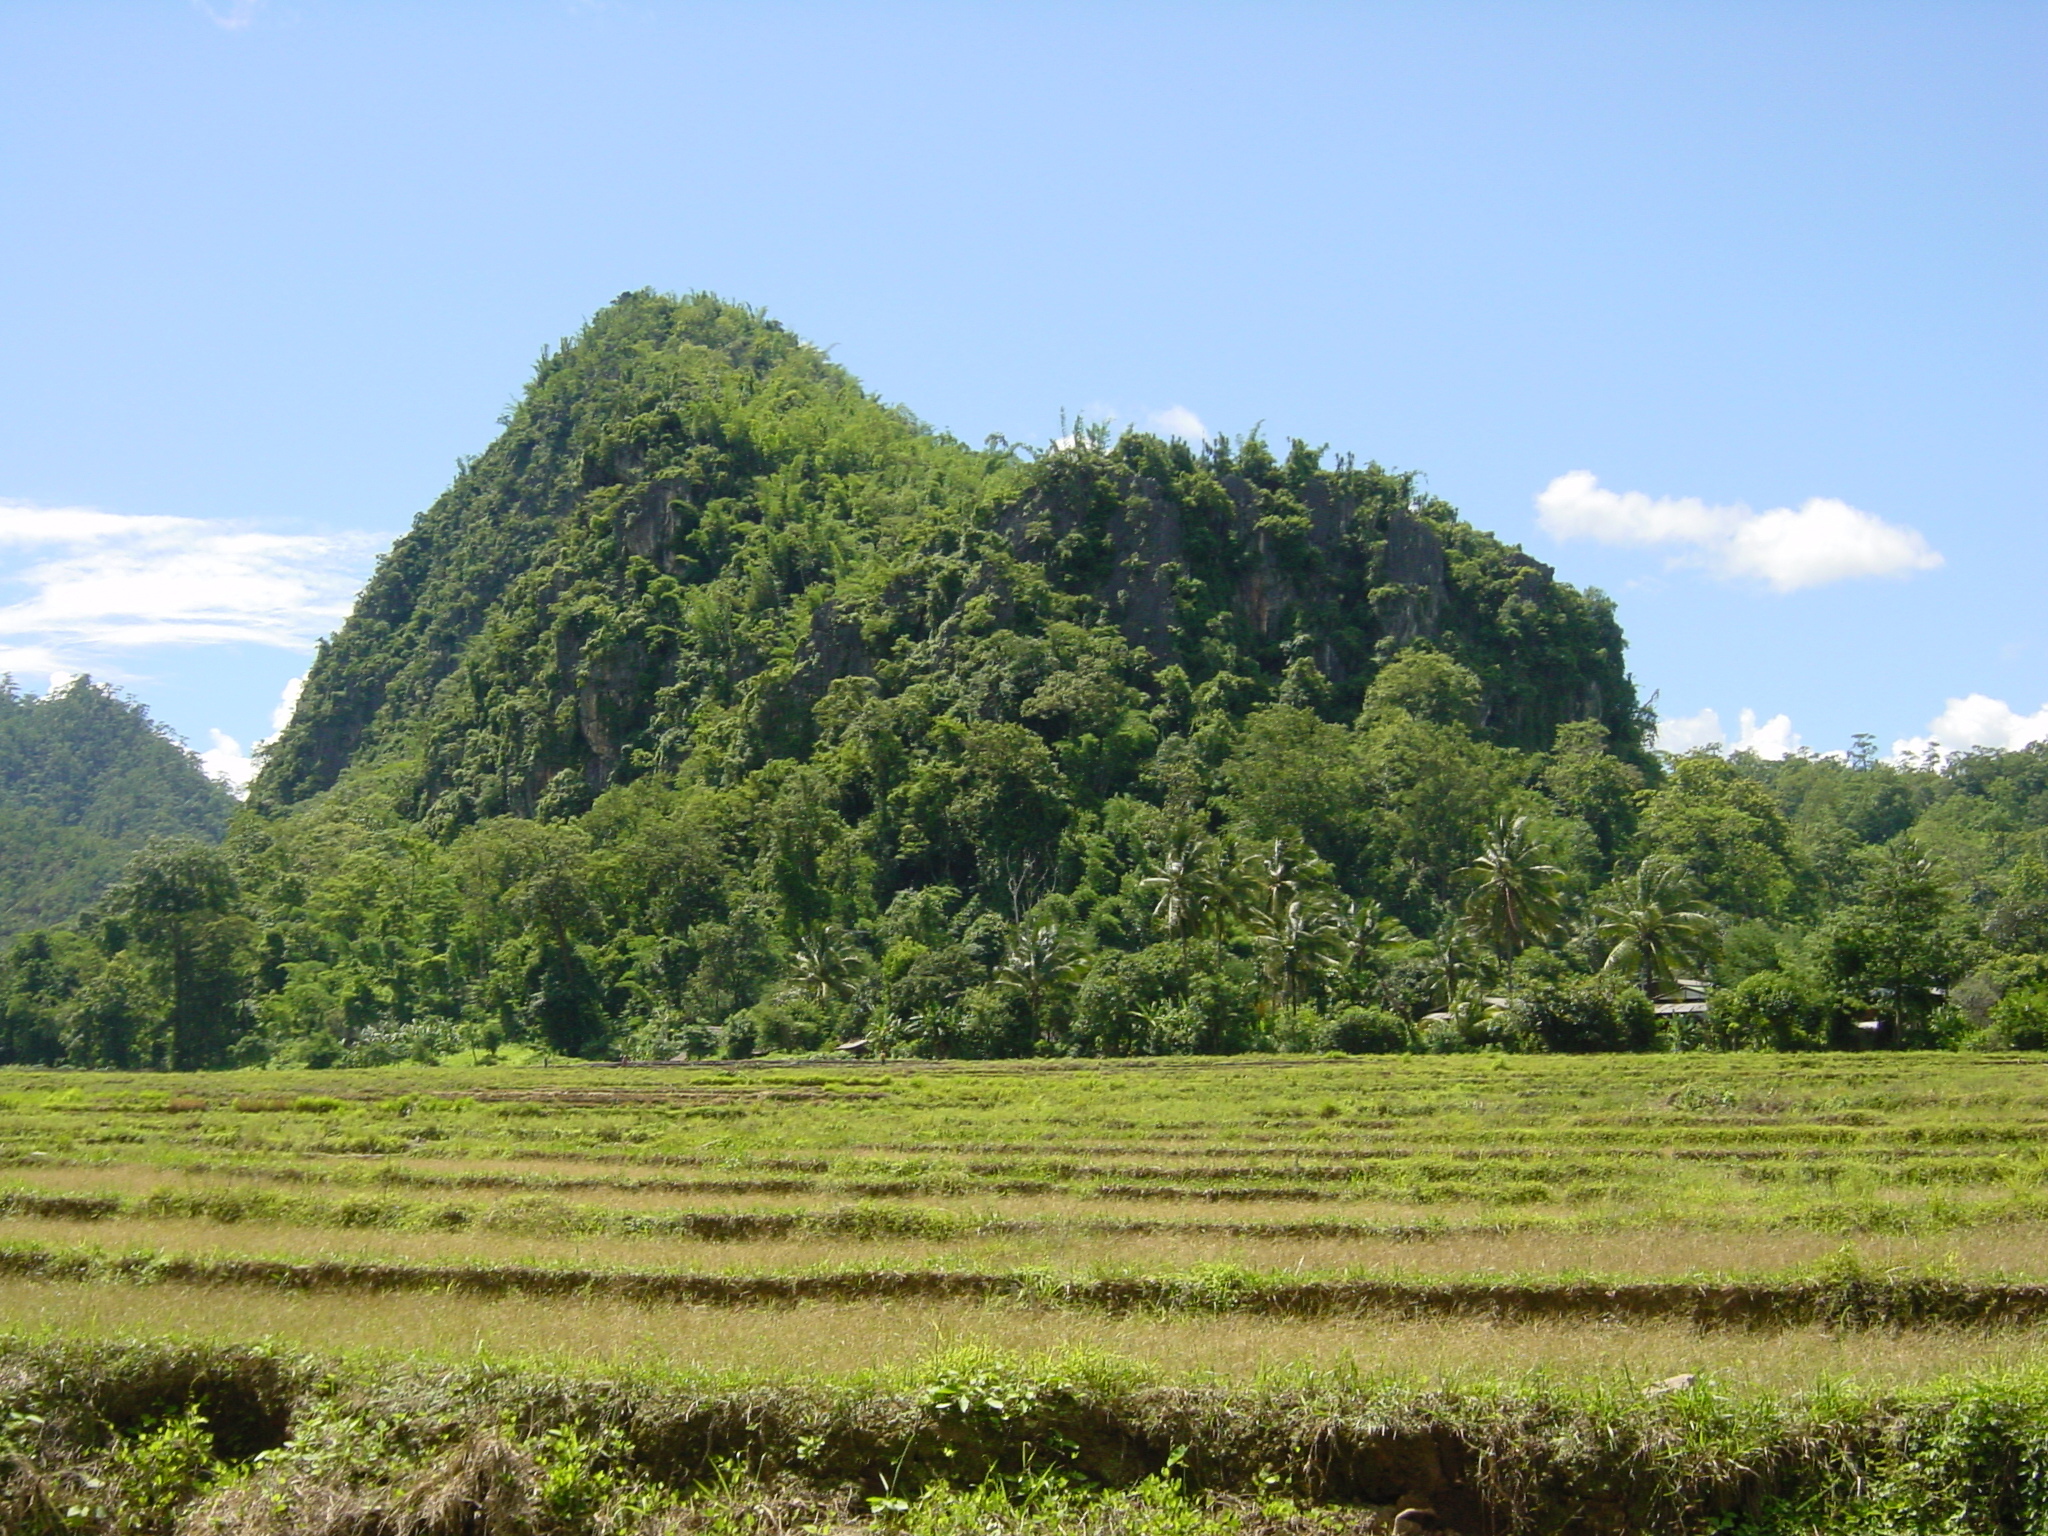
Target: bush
(1945, 1029)
(1165, 1001)
(2019, 1020)
(1575, 1014)
(1770, 1011)
(1443, 1037)
(1411, 986)
(1368, 1032)
(994, 1024)
(776, 1024)
(736, 1038)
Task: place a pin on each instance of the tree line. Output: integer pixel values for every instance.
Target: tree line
(1390, 883)
(719, 708)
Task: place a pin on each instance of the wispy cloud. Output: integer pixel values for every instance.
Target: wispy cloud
(32, 661)
(1773, 738)
(99, 581)
(1179, 421)
(1976, 721)
(229, 15)
(1819, 542)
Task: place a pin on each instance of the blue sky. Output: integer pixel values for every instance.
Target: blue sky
(1739, 312)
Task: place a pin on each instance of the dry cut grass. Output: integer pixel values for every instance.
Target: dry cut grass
(2016, 1252)
(837, 1340)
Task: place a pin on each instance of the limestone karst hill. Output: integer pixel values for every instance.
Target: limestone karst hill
(696, 535)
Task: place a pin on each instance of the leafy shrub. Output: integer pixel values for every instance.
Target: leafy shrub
(157, 1472)
(1770, 1011)
(778, 1024)
(1359, 1031)
(1166, 1000)
(1576, 1014)
(994, 1024)
(2020, 1019)
(1442, 1037)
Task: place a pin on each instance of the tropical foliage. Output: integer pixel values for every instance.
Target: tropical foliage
(719, 708)
(86, 778)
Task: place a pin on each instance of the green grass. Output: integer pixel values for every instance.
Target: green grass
(1496, 1247)
(1828, 1144)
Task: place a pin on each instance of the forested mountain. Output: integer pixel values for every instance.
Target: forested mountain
(718, 706)
(86, 779)
(695, 525)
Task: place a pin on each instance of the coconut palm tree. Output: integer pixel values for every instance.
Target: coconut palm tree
(1299, 945)
(1367, 929)
(1648, 930)
(1182, 884)
(1041, 968)
(1516, 899)
(1279, 873)
(825, 965)
(1451, 958)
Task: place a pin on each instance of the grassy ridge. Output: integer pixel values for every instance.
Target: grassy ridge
(243, 1441)
(1849, 1297)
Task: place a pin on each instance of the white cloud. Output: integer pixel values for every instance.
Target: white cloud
(1822, 541)
(231, 16)
(1179, 421)
(226, 761)
(98, 581)
(18, 661)
(1976, 721)
(1685, 732)
(1773, 738)
(287, 702)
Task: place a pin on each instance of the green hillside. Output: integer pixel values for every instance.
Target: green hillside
(714, 669)
(720, 708)
(85, 779)
(695, 525)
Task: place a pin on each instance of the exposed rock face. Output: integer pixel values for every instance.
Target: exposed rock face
(1409, 601)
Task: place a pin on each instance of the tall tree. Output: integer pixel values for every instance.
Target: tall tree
(1897, 949)
(1041, 968)
(1182, 884)
(177, 903)
(1649, 930)
(1300, 944)
(1728, 833)
(825, 964)
(1516, 898)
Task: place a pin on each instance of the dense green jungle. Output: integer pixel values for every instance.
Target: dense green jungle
(720, 709)
(86, 779)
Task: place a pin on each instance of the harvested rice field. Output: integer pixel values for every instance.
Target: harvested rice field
(1761, 1277)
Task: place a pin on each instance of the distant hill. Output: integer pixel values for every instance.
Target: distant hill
(719, 696)
(86, 778)
(695, 525)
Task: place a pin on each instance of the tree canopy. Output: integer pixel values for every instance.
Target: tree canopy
(718, 707)
(86, 778)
